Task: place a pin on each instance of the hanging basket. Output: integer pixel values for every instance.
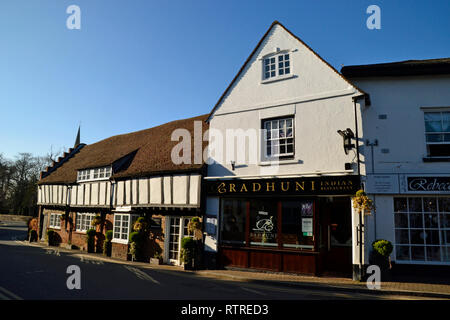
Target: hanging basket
(362, 203)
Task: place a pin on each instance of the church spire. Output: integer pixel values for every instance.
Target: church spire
(77, 140)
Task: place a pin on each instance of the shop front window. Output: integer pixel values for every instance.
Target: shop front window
(422, 228)
(233, 221)
(297, 224)
(263, 223)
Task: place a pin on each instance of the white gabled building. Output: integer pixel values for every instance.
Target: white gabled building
(407, 137)
(283, 202)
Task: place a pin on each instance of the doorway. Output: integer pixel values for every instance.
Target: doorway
(336, 223)
(177, 230)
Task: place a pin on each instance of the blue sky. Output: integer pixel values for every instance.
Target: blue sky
(137, 64)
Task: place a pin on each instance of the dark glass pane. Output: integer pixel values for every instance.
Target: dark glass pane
(281, 72)
(445, 236)
(400, 205)
(417, 237)
(434, 137)
(429, 205)
(272, 60)
(267, 68)
(401, 220)
(415, 204)
(280, 65)
(402, 252)
(267, 75)
(280, 58)
(233, 220)
(433, 126)
(439, 150)
(433, 254)
(297, 223)
(272, 74)
(418, 253)
(444, 220)
(415, 220)
(290, 148)
(401, 236)
(286, 64)
(266, 61)
(286, 57)
(431, 220)
(444, 204)
(287, 70)
(432, 236)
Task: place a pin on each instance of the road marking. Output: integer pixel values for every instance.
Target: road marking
(141, 274)
(53, 251)
(254, 291)
(8, 295)
(83, 259)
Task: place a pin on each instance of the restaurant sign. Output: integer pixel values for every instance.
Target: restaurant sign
(329, 185)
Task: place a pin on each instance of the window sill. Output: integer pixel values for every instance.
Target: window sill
(276, 79)
(121, 241)
(278, 162)
(436, 159)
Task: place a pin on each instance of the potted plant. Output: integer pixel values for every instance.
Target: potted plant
(362, 203)
(157, 259)
(188, 246)
(195, 228)
(380, 256)
(107, 243)
(90, 238)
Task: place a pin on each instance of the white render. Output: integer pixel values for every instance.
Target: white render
(180, 190)
(401, 143)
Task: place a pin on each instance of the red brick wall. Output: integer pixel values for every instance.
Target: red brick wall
(119, 251)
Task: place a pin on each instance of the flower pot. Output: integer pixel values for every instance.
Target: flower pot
(155, 261)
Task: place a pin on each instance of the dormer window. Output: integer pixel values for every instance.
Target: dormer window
(277, 66)
(94, 174)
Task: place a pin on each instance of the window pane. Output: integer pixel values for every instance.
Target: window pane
(418, 253)
(433, 126)
(415, 204)
(402, 253)
(286, 57)
(415, 220)
(402, 236)
(434, 137)
(438, 150)
(429, 205)
(280, 58)
(432, 237)
(400, 205)
(417, 237)
(297, 223)
(281, 72)
(233, 220)
(444, 204)
(433, 253)
(431, 220)
(432, 116)
(263, 222)
(444, 220)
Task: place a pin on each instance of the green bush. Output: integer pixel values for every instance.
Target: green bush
(90, 237)
(109, 235)
(188, 245)
(382, 247)
(107, 243)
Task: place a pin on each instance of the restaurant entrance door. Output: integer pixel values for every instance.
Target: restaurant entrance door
(336, 225)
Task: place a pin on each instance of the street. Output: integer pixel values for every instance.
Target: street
(35, 273)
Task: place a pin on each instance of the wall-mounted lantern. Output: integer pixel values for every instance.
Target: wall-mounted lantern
(347, 136)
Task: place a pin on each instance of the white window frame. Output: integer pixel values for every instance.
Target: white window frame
(277, 69)
(443, 243)
(94, 174)
(280, 156)
(54, 220)
(440, 111)
(123, 231)
(83, 221)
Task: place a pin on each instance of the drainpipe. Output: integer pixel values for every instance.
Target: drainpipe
(360, 227)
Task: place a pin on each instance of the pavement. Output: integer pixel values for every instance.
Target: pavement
(410, 287)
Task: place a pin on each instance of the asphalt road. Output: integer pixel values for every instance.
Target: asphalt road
(34, 273)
